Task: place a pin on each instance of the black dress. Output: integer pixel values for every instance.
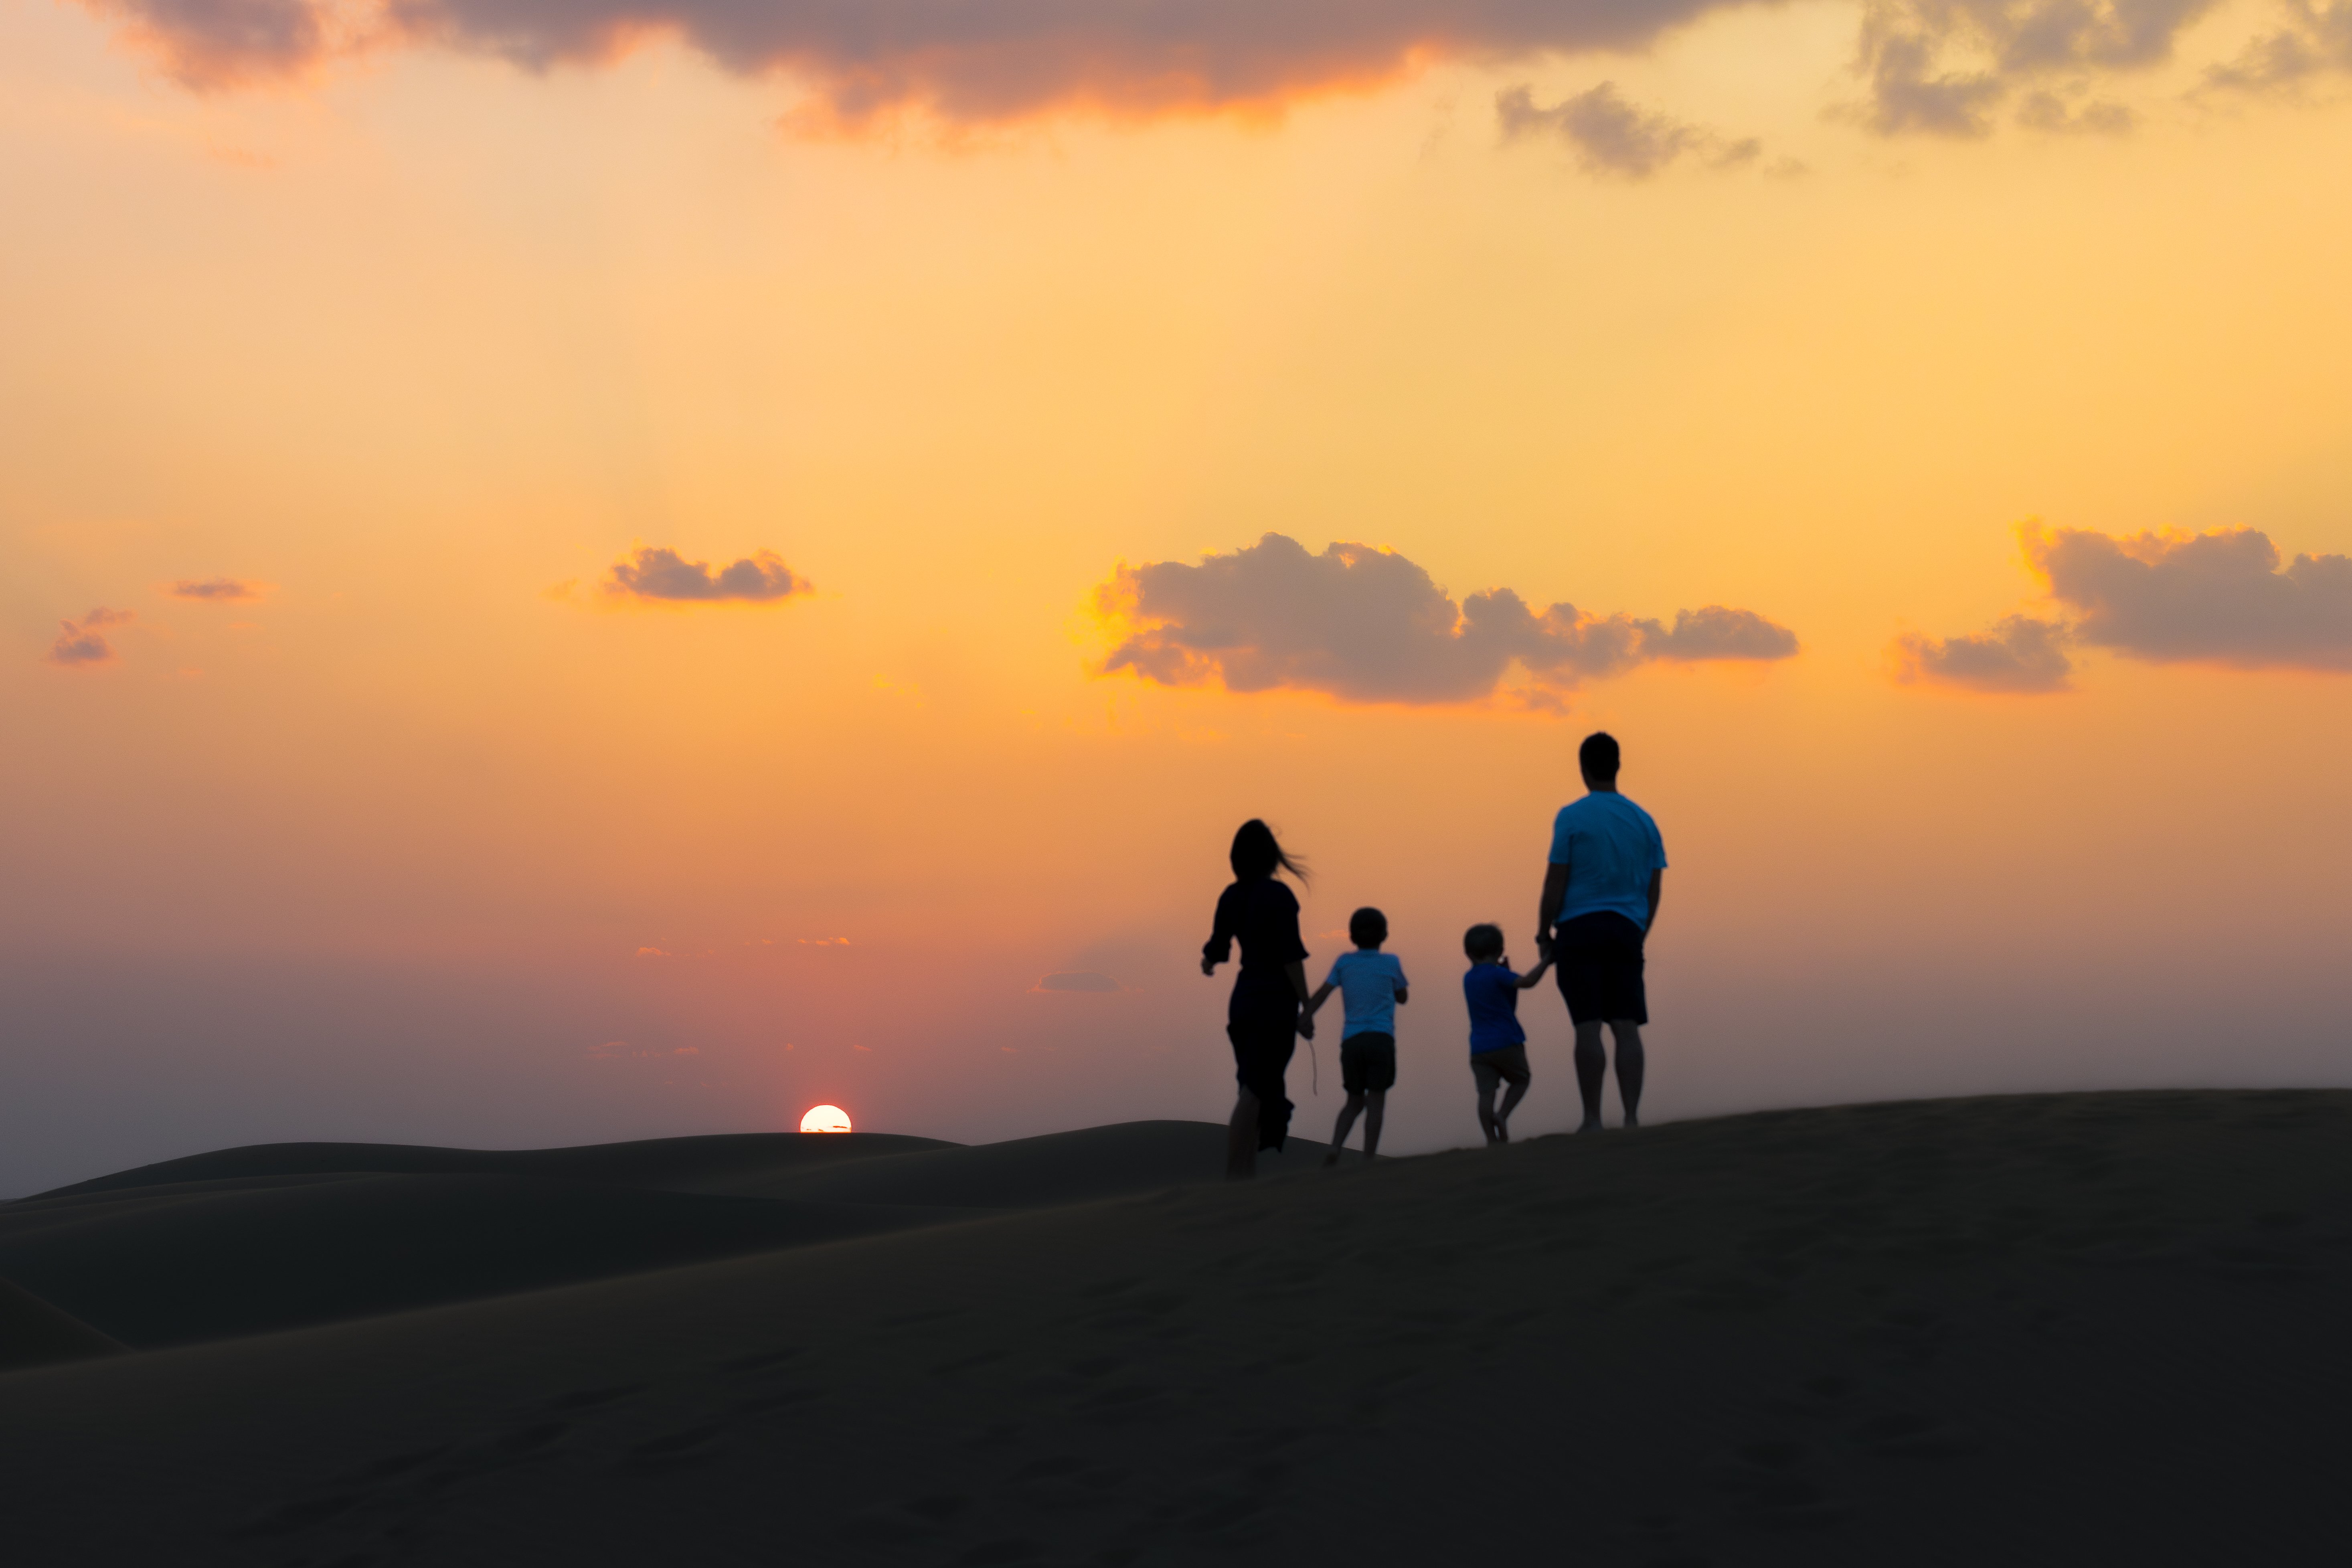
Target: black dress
(1262, 1019)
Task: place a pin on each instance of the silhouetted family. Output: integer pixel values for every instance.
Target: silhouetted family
(1599, 902)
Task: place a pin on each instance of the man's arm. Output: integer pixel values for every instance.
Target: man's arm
(1554, 888)
(1658, 883)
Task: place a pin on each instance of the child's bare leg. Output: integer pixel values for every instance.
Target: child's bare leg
(1374, 1103)
(1510, 1103)
(1630, 1063)
(1487, 1109)
(1348, 1114)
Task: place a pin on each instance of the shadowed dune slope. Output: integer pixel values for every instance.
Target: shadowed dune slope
(284, 1236)
(666, 1163)
(1029, 1173)
(34, 1333)
(173, 1265)
(2064, 1330)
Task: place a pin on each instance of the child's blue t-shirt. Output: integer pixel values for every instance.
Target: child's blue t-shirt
(1492, 993)
(1368, 983)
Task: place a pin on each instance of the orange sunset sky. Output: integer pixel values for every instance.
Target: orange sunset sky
(580, 572)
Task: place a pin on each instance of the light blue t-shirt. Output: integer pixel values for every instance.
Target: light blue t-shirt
(1609, 846)
(1368, 983)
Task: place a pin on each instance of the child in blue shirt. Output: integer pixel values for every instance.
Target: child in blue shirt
(1372, 986)
(1498, 1046)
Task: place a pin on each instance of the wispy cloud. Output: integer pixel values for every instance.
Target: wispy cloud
(216, 590)
(1611, 135)
(662, 574)
(83, 642)
(1366, 625)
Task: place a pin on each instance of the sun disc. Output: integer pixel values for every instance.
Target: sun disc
(826, 1118)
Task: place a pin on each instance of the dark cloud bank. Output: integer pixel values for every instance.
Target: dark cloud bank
(1370, 626)
(2223, 597)
(663, 575)
(1941, 67)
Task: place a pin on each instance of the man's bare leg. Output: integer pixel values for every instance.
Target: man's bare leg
(1630, 1063)
(1374, 1103)
(1241, 1140)
(1592, 1069)
(1348, 1114)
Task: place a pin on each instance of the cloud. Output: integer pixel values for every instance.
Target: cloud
(2018, 653)
(2048, 112)
(83, 642)
(216, 590)
(2318, 38)
(1613, 136)
(1942, 67)
(758, 578)
(1716, 633)
(1078, 980)
(1366, 625)
(2221, 598)
(961, 61)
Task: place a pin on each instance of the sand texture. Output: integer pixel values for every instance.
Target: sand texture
(2068, 1329)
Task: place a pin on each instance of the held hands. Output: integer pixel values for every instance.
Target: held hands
(1208, 966)
(1306, 1023)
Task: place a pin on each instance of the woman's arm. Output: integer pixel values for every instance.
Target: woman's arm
(1219, 945)
(1297, 970)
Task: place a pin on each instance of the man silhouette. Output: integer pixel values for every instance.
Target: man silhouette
(1599, 902)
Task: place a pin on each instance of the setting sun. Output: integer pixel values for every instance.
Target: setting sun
(826, 1118)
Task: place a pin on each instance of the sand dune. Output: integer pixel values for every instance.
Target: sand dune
(653, 1163)
(34, 1333)
(283, 1236)
(2067, 1329)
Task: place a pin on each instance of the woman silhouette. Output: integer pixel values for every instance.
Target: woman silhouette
(1264, 1019)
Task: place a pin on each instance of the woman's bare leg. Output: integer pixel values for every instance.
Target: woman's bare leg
(1241, 1140)
(1376, 1103)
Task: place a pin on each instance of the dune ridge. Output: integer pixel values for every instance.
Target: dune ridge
(2035, 1329)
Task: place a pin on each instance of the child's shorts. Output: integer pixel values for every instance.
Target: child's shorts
(1507, 1065)
(1367, 1063)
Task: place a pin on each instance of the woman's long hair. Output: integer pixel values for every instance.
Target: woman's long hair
(1258, 853)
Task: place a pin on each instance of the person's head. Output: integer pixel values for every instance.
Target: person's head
(1598, 758)
(1258, 853)
(1368, 927)
(1483, 945)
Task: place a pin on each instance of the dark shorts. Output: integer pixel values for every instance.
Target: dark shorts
(1367, 1063)
(1507, 1065)
(1599, 960)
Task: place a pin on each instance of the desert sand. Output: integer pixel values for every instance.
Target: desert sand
(2080, 1329)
